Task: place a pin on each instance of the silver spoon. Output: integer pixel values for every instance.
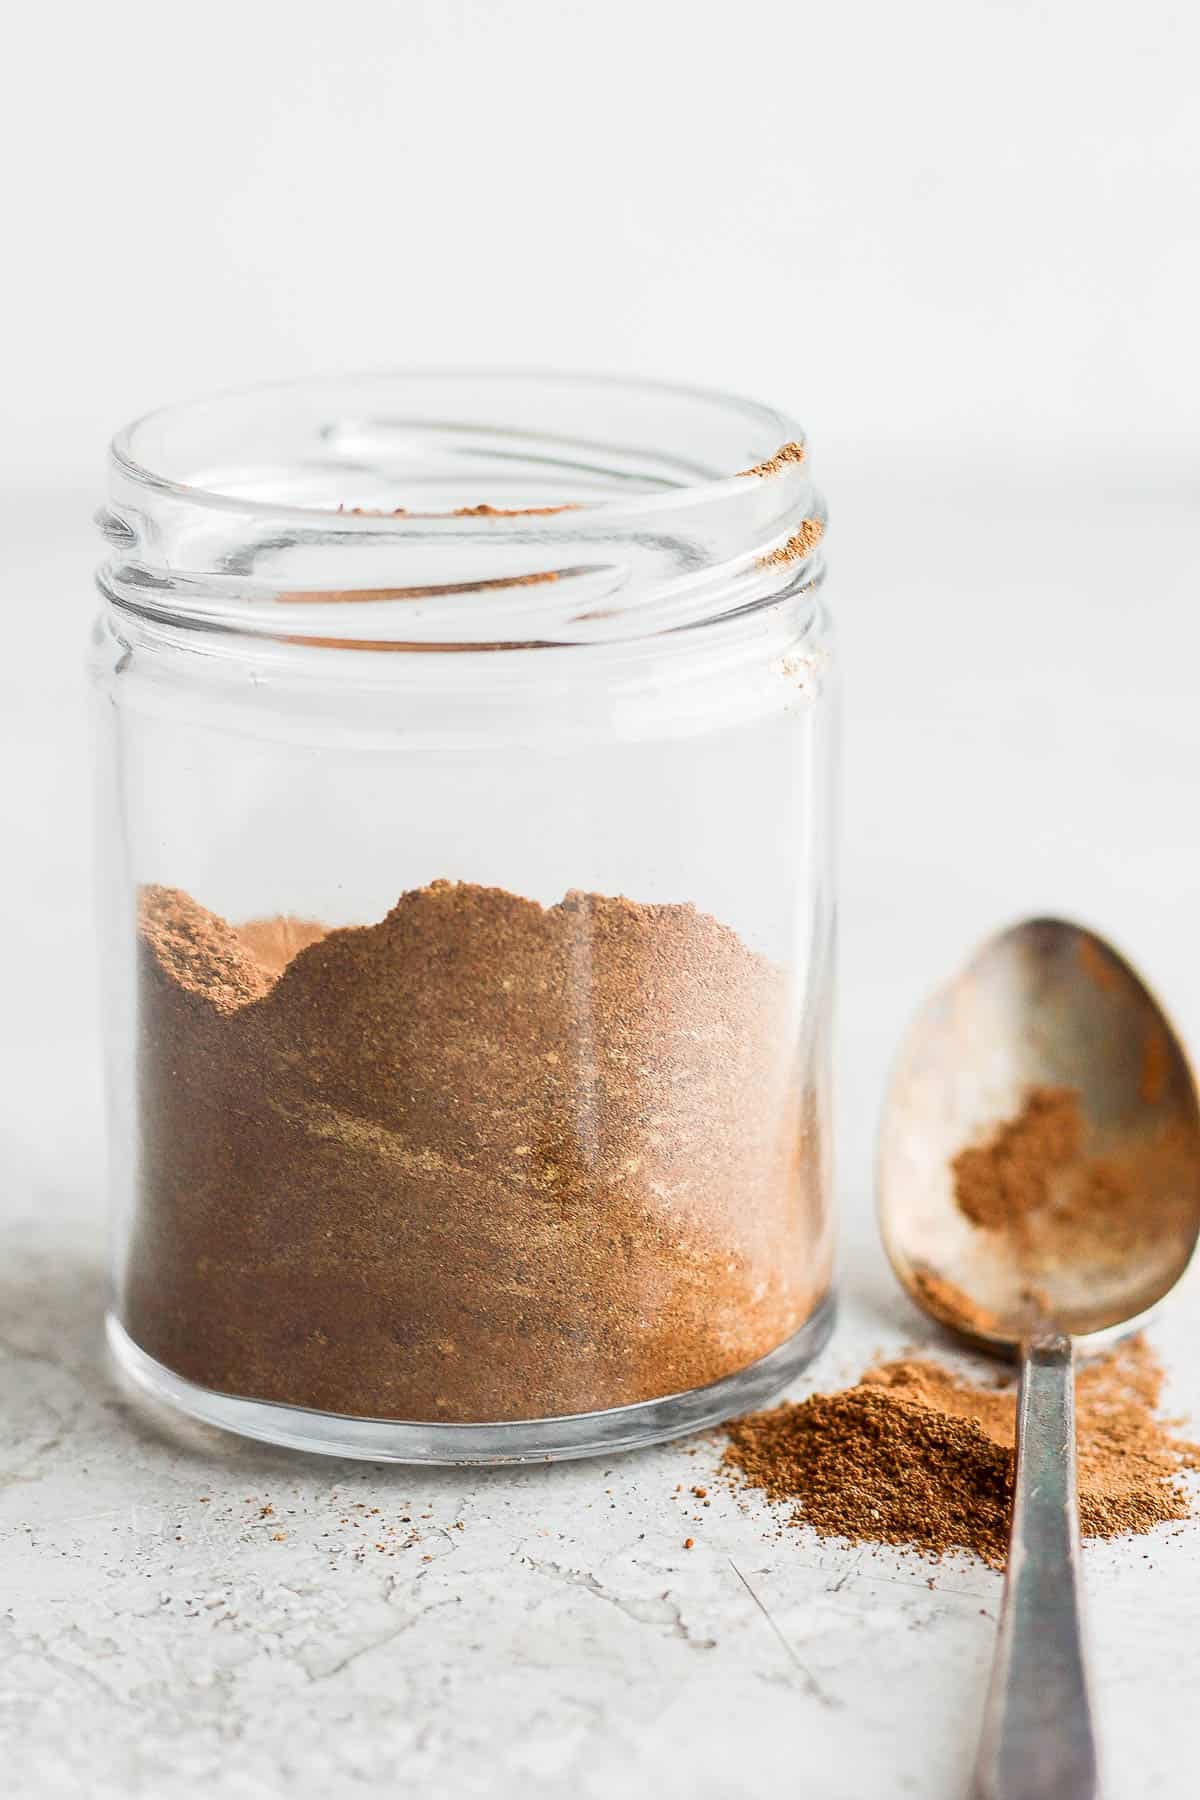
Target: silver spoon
(1045, 1008)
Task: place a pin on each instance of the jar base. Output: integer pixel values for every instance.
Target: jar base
(503, 1441)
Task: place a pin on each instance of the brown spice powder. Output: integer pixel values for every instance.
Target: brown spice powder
(787, 453)
(483, 1160)
(998, 1184)
(948, 1302)
(1050, 1202)
(802, 543)
(481, 511)
(370, 596)
(484, 511)
(916, 1455)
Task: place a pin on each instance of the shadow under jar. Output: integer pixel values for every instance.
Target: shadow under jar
(465, 827)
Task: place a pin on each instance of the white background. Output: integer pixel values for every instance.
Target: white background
(944, 221)
(960, 243)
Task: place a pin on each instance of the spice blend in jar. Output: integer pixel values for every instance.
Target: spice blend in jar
(483, 1160)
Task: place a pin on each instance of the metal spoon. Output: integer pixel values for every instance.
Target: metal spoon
(1044, 1005)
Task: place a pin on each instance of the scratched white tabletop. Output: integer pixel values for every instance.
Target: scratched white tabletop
(182, 1615)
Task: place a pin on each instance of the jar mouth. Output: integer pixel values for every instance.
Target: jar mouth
(397, 494)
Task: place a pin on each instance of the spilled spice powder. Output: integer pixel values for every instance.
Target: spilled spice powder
(482, 1160)
(916, 1455)
(875, 1465)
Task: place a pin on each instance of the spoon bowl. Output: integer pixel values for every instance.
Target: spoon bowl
(1045, 1007)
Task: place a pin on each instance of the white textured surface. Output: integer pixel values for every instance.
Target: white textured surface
(1022, 735)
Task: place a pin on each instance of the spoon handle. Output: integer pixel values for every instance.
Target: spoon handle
(1038, 1738)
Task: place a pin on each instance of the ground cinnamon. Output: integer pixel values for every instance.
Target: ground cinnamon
(481, 511)
(1049, 1198)
(482, 1160)
(917, 1455)
(1000, 1183)
(802, 543)
(787, 453)
(953, 1306)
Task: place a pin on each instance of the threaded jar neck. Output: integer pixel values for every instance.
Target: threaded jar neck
(467, 510)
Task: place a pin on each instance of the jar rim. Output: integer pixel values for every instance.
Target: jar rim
(774, 430)
(648, 504)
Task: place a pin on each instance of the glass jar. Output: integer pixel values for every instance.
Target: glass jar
(465, 822)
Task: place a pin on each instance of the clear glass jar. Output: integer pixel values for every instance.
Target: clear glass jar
(465, 818)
